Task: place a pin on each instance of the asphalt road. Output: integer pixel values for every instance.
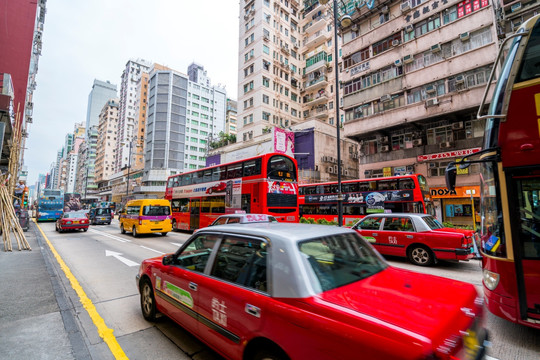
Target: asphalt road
(105, 263)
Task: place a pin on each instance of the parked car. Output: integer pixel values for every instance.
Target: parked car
(419, 237)
(243, 219)
(301, 291)
(100, 216)
(73, 220)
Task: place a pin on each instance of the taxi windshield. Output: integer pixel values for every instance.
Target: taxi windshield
(341, 259)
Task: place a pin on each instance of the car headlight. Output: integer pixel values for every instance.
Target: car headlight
(491, 279)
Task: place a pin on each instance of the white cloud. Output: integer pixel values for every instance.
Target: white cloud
(87, 40)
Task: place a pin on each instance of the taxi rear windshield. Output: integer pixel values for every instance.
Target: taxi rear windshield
(152, 210)
(341, 259)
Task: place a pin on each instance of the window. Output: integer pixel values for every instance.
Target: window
(195, 255)
(266, 99)
(242, 261)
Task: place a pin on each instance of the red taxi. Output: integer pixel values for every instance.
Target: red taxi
(299, 291)
(73, 220)
(419, 237)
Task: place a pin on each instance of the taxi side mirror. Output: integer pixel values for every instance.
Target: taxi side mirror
(170, 260)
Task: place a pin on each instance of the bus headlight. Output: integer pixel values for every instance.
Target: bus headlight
(491, 279)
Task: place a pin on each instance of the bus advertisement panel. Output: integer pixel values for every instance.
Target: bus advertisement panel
(50, 205)
(362, 197)
(265, 184)
(72, 202)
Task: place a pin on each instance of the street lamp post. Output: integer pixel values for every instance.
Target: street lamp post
(344, 21)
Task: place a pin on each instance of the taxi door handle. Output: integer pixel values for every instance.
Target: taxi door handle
(375, 234)
(253, 310)
(410, 236)
(193, 286)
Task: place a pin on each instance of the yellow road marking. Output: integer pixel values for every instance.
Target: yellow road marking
(104, 332)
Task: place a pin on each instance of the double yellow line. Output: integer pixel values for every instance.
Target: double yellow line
(104, 332)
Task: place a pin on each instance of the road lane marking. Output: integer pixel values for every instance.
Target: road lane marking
(156, 251)
(121, 258)
(104, 332)
(176, 244)
(117, 238)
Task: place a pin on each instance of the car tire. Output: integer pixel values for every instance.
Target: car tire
(174, 226)
(270, 354)
(148, 301)
(85, 230)
(420, 255)
(134, 231)
(56, 227)
(164, 233)
(122, 230)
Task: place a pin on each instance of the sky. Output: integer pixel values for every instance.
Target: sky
(87, 40)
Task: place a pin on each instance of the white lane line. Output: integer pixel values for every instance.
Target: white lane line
(156, 251)
(176, 244)
(117, 238)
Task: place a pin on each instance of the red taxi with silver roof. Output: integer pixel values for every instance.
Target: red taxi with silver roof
(300, 291)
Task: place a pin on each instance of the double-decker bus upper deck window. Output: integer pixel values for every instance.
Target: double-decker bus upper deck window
(387, 185)
(234, 171)
(351, 187)
(186, 179)
(367, 186)
(207, 177)
(530, 67)
(252, 167)
(281, 168)
(406, 184)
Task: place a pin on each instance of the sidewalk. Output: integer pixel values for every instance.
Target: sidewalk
(37, 321)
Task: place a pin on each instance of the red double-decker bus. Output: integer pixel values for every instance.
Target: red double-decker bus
(265, 184)
(408, 193)
(510, 181)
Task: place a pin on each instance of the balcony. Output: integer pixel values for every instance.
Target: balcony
(316, 39)
(318, 23)
(316, 100)
(320, 112)
(320, 82)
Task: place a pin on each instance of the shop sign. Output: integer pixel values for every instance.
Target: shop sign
(387, 171)
(458, 192)
(447, 155)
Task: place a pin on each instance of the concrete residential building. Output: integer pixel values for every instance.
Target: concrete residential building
(101, 92)
(129, 115)
(106, 147)
(414, 75)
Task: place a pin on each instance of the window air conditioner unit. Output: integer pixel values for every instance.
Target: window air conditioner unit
(408, 59)
(410, 168)
(436, 48)
(457, 125)
(354, 27)
(464, 36)
(384, 139)
(367, 172)
(395, 42)
(446, 145)
(397, 62)
(406, 6)
(266, 37)
(385, 148)
(515, 7)
(430, 89)
(330, 169)
(432, 102)
(460, 79)
(385, 98)
(432, 165)
(385, 10)
(417, 142)
(29, 120)
(409, 28)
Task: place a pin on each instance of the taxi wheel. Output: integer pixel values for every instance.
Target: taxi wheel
(174, 225)
(164, 233)
(267, 354)
(148, 302)
(134, 231)
(420, 255)
(85, 229)
(122, 229)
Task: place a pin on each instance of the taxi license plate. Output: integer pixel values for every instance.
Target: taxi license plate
(156, 222)
(102, 218)
(75, 222)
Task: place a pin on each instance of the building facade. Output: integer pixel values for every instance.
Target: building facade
(230, 117)
(106, 147)
(101, 92)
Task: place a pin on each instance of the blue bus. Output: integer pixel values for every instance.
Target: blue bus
(50, 205)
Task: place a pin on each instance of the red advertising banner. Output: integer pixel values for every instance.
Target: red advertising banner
(446, 155)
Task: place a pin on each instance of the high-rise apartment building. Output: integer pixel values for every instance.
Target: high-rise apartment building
(106, 143)
(101, 92)
(230, 117)
(182, 116)
(129, 115)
